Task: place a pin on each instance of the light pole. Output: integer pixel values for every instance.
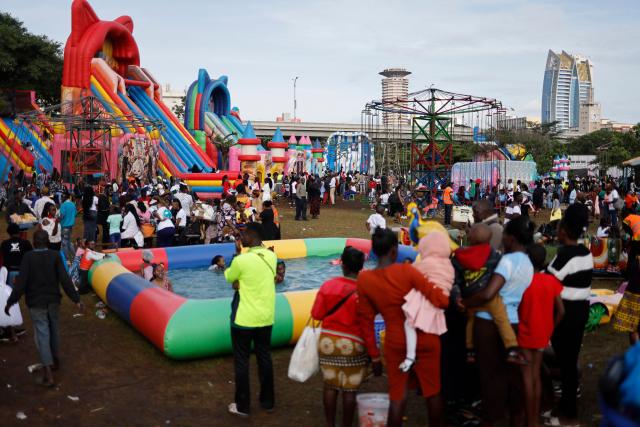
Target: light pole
(295, 102)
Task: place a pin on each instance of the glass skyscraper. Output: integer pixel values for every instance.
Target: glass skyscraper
(567, 85)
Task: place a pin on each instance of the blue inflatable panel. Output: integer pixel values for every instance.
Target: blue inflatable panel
(199, 255)
(122, 291)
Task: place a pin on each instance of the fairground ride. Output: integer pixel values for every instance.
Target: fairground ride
(86, 136)
(418, 143)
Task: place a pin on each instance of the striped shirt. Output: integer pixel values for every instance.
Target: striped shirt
(573, 266)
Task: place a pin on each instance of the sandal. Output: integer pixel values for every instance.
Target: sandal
(514, 356)
(40, 380)
(555, 422)
(471, 356)
(233, 409)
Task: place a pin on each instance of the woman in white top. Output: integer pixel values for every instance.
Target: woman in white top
(266, 191)
(90, 213)
(165, 229)
(131, 234)
(51, 224)
(180, 218)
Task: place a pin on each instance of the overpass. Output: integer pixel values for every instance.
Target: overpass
(322, 130)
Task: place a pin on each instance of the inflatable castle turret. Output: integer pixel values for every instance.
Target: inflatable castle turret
(291, 153)
(249, 151)
(279, 156)
(318, 157)
(304, 148)
(561, 167)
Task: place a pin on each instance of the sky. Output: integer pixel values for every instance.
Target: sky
(490, 48)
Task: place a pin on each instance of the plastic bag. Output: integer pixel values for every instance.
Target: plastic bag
(304, 361)
(15, 316)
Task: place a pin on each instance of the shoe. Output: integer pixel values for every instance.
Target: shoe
(516, 357)
(20, 331)
(233, 409)
(406, 365)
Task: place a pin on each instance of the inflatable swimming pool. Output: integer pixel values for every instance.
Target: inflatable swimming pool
(187, 328)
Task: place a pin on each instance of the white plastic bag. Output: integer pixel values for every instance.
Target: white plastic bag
(15, 316)
(304, 359)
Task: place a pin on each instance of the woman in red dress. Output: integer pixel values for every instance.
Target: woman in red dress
(382, 290)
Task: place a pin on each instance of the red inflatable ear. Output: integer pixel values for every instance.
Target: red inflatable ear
(82, 17)
(126, 21)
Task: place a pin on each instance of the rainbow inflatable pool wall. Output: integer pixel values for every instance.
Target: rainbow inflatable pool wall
(184, 328)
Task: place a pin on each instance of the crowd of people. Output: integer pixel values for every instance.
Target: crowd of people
(480, 323)
(476, 322)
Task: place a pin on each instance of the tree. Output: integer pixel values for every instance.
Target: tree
(178, 109)
(29, 61)
(540, 141)
(223, 144)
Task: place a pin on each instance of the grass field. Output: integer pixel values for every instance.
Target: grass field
(122, 380)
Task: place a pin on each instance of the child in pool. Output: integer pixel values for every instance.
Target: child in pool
(435, 265)
(217, 264)
(146, 269)
(281, 270)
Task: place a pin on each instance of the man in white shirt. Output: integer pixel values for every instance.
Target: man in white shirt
(39, 205)
(384, 200)
(185, 199)
(376, 220)
(513, 210)
(572, 196)
(332, 190)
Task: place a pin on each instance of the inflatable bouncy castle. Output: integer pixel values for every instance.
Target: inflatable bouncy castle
(350, 152)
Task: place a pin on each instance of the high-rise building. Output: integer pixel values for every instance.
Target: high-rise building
(395, 87)
(172, 97)
(567, 84)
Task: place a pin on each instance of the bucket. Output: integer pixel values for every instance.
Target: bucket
(148, 230)
(373, 409)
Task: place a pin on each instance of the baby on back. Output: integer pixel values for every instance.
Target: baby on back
(434, 264)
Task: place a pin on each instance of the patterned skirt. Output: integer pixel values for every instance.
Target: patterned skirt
(343, 361)
(314, 205)
(627, 316)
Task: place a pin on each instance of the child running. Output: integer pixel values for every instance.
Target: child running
(420, 313)
(573, 266)
(540, 311)
(115, 222)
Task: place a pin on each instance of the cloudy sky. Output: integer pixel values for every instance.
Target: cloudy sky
(492, 48)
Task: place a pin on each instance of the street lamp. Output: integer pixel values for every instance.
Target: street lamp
(295, 102)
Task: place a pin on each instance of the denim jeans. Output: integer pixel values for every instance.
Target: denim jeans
(241, 339)
(90, 226)
(45, 328)
(447, 214)
(67, 247)
(613, 216)
(114, 238)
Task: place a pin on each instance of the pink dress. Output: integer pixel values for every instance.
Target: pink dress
(434, 264)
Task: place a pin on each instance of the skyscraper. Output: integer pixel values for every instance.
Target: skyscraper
(395, 86)
(567, 85)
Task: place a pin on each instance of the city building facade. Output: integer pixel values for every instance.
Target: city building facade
(567, 89)
(395, 88)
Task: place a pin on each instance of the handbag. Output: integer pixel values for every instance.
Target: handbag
(304, 361)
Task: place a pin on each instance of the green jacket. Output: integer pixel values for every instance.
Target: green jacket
(255, 270)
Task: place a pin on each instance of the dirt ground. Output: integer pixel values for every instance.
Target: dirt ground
(120, 379)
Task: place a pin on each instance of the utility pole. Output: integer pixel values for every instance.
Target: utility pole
(295, 101)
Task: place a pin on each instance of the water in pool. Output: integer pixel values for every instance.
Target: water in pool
(302, 273)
